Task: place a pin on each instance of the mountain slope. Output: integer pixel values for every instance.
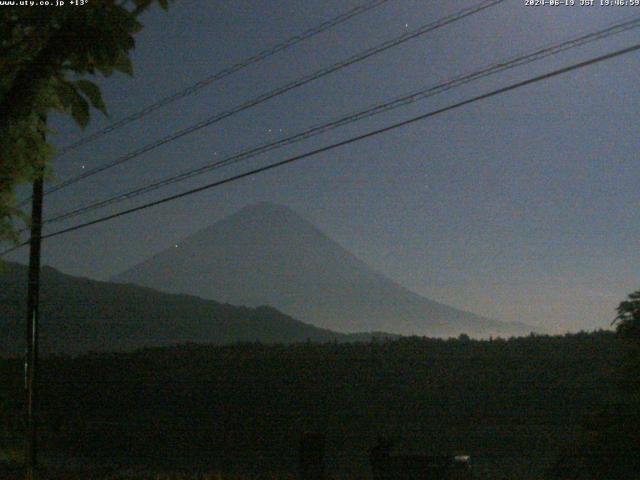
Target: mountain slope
(267, 254)
(79, 315)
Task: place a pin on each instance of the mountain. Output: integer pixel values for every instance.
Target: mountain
(80, 315)
(268, 254)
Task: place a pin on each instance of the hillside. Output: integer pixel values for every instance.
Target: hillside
(79, 315)
(268, 254)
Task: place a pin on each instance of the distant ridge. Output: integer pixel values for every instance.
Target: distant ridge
(80, 315)
(268, 254)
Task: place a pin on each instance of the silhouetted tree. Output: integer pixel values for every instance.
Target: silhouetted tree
(629, 318)
(607, 449)
(43, 52)
(628, 328)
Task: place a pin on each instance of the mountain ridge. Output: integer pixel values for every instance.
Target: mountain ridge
(79, 315)
(268, 254)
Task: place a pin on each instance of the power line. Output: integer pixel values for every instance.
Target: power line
(196, 87)
(215, 77)
(281, 90)
(353, 117)
(351, 140)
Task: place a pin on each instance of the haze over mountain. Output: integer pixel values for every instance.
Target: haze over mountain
(267, 254)
(80, 315)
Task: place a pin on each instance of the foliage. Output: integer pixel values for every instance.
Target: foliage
(43, 54)
(607, 447)
(239, 409)
(629, 318)
(628, 329)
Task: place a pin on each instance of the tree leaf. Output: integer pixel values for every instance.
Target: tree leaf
(123, 64)
(106, 70)
(80, 111)
(92, 92)
(65, 92)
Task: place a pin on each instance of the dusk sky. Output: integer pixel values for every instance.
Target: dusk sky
(523, 207)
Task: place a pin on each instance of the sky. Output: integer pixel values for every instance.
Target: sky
(522, 207)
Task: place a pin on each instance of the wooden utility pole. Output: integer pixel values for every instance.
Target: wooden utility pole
(31, 356)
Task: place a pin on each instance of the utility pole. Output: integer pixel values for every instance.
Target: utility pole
(31, 356)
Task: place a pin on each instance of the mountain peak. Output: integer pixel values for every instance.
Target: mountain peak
(266, 212)
(263, 224)
(265, 207)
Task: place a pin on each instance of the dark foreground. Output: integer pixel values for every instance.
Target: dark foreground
(534, 407)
